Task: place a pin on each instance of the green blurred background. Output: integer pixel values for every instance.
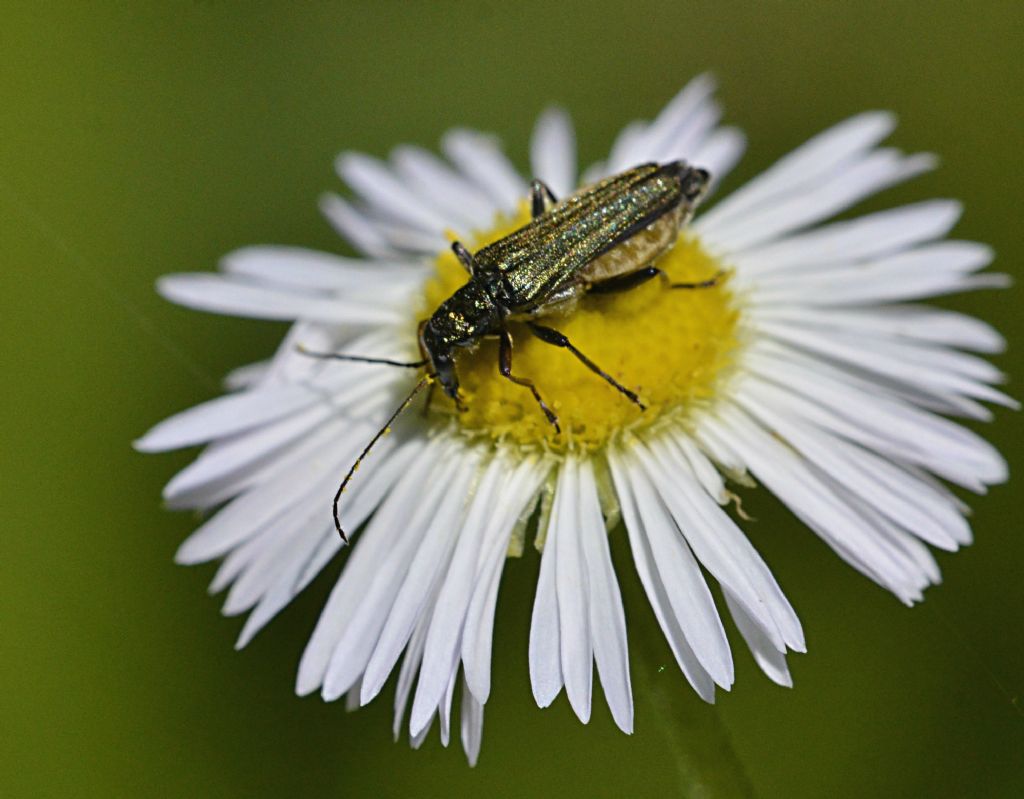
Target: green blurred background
(140, 138)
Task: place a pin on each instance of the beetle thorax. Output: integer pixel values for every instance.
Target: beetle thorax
(463, 318)
(459, 322)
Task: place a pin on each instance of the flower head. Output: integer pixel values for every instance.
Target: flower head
(799, 364)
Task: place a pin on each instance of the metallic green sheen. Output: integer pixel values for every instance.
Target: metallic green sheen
(548, 254)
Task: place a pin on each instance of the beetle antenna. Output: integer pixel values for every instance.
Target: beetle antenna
(423, 382)
(360, 359)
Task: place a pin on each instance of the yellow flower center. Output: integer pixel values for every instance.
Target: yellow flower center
(669, 346)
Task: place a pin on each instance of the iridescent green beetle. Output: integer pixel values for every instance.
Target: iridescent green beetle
(601, 240)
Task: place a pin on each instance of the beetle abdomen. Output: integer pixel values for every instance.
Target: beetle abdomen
(637, 251)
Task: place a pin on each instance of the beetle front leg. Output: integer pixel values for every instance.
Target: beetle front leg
(505, 367)
(551, 336)
(539, 191)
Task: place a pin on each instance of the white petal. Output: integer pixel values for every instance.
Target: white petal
(362, 566)
(472, 717)
(689, 139)
(222, 294)
(721, 546)
(229, 466)
(416, 741)
(545, 634)
(771, 661)
(285, 552)
(722, 454)
(915, 435)
(655, 588)
(262, 506)
(413, 242)
(912, 547)
(363, 627)
(869, 236)
(225, 416)
(719, 153)
(233, 464)
(808, 164)
(516, 499)
(444, 636)
(927, 271)
(354, 226)
(481, 160)
(876, 171)
(681, 122)
(203, 485)
(425, 572)
(553, 151)
(891, 491)
(310, 270)
(607, 620)
(352, 699)
(912, 322)
(377, 184)
(702, 468)
(444, 712)
(283, 557)
(288, 585)
(406, 675)
(625, 152)
(573, 590)
(291, 573)
(246, 376)
(289, 365)
(790, 479)
(894, 469)
(674, 567)
(433, 180)
(292, 483)
(888, 363)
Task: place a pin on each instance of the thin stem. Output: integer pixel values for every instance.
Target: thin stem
(705, 759)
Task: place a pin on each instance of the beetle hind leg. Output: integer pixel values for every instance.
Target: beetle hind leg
(551, 336)
(625, 282)
(711, 282)
(505, 367)
(630, 280)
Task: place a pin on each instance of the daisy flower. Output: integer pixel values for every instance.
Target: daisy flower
(807, 368)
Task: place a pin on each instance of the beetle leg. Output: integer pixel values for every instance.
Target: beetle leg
(631, 280)
(464, 256)
(551, 336)
(700, 284)
(505, 367)
(539, 191)
(625, 282)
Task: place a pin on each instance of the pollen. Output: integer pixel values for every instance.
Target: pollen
(672, 347)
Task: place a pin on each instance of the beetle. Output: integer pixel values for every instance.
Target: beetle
(601, 240)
